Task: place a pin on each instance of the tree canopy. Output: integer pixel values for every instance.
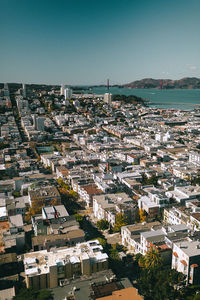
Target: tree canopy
(31, 294)
(102, 224)
(120, 221)
(157, 282)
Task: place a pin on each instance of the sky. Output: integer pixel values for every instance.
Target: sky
(87, 41)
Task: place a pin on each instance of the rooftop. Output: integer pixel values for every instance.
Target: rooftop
(190, 248)
(130, 293)
(41, 261)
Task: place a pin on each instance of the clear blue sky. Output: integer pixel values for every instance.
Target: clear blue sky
(88, 41)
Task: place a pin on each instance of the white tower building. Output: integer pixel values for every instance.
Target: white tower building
(67, 93)
(24, 90)
(62, 90)
(108, 98)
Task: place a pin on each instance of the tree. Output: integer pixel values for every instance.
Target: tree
(195, 180)
(114, 255)
(54, 202)
(149, 181)
(155, 282)
(63, 185)
(31, 294)
(36, 208)
(16, 194)
(142, 215)
(152, 259)
(102, 242)
(120, 220)
(141, 261)
(4, 145)
(102, 224)
(79, 218)
(73, 194)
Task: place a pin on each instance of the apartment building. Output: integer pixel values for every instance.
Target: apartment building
(49, 269)
(131, 234)
(86, 193)
(184, 193)
(194, 157)
(186, 259)
(107, 206)
(176, 215)
(43, 194)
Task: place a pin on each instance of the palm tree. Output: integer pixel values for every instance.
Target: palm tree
(152, 259)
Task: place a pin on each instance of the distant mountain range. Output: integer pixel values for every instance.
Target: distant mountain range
(147, 83)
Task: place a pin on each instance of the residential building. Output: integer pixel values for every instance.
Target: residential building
(108, 98)
(67, 93)
(186, 259)
(194, 157)
(45, 269)
(87, 192)
(107, 206)
(43, 194)
(130, 293)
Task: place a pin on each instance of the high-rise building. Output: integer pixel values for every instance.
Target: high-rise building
(108, 98)
(24, 90)
(40, 123)
(5, 90)
(67, 93)
(34, 117)
(62, 90)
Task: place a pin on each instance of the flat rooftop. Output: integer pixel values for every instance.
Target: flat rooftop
(41, 261)
(190, 248)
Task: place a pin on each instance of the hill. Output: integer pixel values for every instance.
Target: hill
(184, 83)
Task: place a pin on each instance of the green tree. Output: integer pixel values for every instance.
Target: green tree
(102, 242)
(152, 259)
(195, 181)
(16, 194)
(153, 180)
(120, 220)
(102, 224)
(79, 218)
(31, 294)
(4, 145)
